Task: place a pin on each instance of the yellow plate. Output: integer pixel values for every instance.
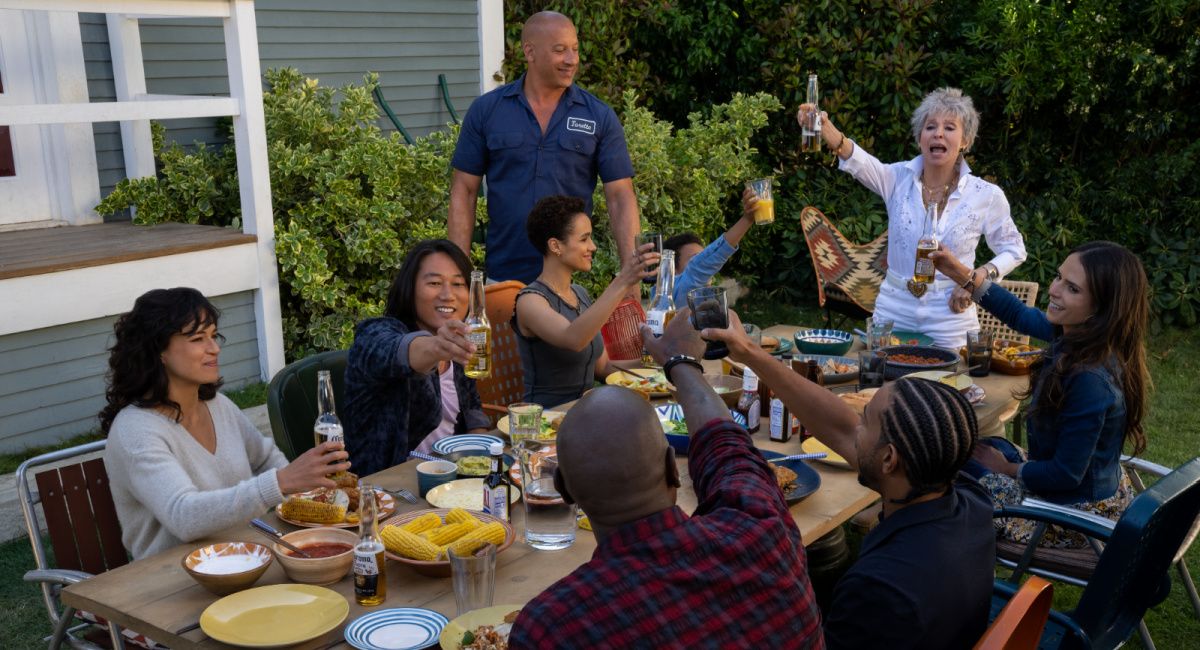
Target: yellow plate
(551, 418)
(452, 634)
(465, 493)
(960, 382)
(274, 616)
(662, 389)
(812, 446)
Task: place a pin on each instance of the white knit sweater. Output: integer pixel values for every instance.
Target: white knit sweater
(168, 489)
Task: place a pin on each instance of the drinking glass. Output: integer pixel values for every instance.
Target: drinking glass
(879, 333)
(524, 422)
(754, 332)
(655, 238)
(979, 353)
(710, 308)
(549, 520)
(474, 577)
(871, 365)
(764, 210)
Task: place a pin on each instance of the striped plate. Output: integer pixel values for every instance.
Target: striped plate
(402, 628)
(464, 442)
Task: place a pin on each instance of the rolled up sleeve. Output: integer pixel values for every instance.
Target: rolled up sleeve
(1002, 235)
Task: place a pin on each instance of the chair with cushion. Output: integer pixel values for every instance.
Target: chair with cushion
(292, 399)
(1019, 625)
(848, 275)
(504, 385)
(1131, 572)
(71, 486)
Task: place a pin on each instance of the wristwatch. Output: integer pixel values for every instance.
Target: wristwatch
(992, 271)
(678, 359)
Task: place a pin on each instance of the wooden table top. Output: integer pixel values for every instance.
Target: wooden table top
(156, 597)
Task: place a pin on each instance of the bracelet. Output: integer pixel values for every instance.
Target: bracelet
(837, 151)
(678, 359)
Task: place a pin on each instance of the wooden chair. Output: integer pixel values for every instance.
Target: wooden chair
(1130, 564)
(81, 521)
(292, 399)
(504, 385)
(848, 275)
(1027, 292)
(1019, 625)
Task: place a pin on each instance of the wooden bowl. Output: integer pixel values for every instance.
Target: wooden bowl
(441, 568)
(317, 570)
(227, 567)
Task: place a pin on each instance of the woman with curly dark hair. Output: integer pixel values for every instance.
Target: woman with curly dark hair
(1088, 394)
(183, 460)
(557, 324)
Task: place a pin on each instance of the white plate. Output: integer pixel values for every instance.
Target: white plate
(465, 493)
(387, 508)
(554, 418)
(470, 441)
(402, 628)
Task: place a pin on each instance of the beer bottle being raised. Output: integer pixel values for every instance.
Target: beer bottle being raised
(662, 307)
(923, 270)
(327, 427)
(810, 134)
(479, 331)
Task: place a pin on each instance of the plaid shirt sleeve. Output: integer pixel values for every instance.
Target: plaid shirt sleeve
(727, 472)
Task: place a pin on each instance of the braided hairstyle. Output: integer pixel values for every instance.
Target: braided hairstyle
(933, 428)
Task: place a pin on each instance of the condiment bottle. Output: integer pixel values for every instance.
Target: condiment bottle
(813, 373)
(370, 572)
(781, 418)
(496, 485)
(749, 404)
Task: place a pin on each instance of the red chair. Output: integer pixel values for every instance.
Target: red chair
(504, 385)
(1019, 625)
(621, 332)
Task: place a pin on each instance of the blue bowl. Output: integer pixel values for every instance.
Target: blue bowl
(829, 342)
(672, 411)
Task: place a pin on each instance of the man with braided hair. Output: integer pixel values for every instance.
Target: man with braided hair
(924, 575)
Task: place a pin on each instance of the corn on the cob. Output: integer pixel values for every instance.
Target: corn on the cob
(427, 521)
(491, 533)
(312, 511)
(458, 515)
(448, 533)
(401, 542)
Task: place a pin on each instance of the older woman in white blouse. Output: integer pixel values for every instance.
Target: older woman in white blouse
(944, 126)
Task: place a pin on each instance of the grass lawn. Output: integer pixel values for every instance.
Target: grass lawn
(1173, 433)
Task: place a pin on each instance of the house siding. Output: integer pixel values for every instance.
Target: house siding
(407, 43)
(52, 379)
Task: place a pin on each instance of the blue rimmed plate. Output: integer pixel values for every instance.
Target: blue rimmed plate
(807, 479)
(402, 628)
(784, 347)
(470, 441)
(670, 415)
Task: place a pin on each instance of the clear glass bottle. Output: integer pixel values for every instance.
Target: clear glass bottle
(923, 270)
(749, 404)
(370, 572)
(810, 134)
(327, 427)
(496, 486)
(479, 331)
(662, 307)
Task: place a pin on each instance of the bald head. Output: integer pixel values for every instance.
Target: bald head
(614, 458)
(543, 21)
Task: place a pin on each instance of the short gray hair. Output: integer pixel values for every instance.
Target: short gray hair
(948, 101)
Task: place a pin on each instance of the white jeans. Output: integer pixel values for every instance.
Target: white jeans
(930, 314)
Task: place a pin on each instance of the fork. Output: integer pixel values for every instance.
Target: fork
(403, 494)
(813, 456)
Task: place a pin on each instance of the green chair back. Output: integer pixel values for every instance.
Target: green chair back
(292, 399)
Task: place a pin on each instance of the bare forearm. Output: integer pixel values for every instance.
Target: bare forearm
(623, 213)
(460, 222)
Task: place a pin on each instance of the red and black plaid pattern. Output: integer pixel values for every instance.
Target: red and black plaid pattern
(842, 266)
(733, 575)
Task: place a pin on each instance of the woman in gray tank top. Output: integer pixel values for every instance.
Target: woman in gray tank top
(557, 324)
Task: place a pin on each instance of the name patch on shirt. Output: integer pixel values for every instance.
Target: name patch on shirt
(581, 125)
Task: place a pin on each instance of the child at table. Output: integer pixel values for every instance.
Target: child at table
(696, 264)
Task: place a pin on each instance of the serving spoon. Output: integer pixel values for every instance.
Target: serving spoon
(268, 530)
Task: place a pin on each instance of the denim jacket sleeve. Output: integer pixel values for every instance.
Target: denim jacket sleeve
(1014, 313)
(701, 268)
(1076, 434)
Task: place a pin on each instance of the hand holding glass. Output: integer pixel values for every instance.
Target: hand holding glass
(710, 309)
(654, 238)
(764, 209)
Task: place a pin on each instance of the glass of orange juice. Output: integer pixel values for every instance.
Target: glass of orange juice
(764, 210)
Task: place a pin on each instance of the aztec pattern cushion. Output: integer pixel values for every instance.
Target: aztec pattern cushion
(846, 271)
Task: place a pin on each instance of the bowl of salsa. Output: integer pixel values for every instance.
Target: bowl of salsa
(331, 551)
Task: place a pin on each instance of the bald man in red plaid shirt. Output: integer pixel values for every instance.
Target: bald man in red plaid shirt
(732, 575)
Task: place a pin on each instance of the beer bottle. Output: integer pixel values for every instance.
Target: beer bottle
(923, 270)
(496, 485)
(810, 134)
(748, 404)
(479, 331)
(370, 572)
(813, 373)
(781, 422)
(662, 307)
(327, 427)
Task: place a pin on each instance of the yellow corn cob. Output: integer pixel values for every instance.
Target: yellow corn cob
(312, 511)
(492, 533)
(448, 533)
(401, 542)
(458, 515)
(427, 521)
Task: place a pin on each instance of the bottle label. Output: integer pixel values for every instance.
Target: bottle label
(780, 421)
(495, 502)
(478, 337)
(753, 414)
(654, 319)
(924, 266)
(329, 432)
(364, 564)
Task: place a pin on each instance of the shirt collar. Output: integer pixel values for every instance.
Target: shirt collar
(910, 516)
(572, 95)
(636, 533)
(917, 165)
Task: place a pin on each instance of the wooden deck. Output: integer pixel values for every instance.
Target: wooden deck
(48, 250)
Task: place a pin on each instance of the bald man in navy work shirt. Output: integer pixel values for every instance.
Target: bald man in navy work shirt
(537, 136)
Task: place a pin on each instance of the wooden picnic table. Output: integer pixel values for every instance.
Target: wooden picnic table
(156, 597)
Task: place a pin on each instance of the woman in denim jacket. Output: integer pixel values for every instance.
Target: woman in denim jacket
(1087, 394)
(405, 385)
